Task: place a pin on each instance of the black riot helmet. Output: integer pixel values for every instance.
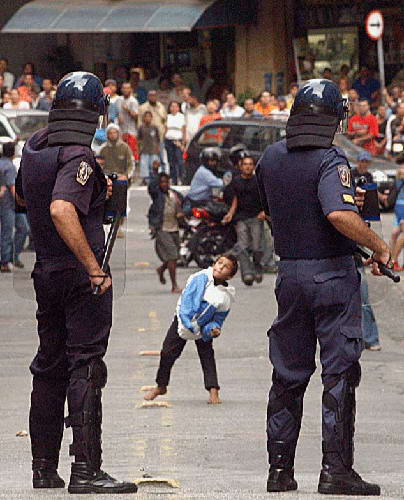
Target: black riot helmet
(237, 153)
(80, 105)
(81, 90)
(210, 154)
(317, 112)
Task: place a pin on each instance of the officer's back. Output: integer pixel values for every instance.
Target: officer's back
(302, 187)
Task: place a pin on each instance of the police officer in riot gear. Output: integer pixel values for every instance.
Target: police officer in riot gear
(64, 191)
(305, 183)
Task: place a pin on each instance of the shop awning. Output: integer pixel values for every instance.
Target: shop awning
(95, 16)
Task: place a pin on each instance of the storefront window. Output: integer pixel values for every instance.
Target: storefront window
(332, 48)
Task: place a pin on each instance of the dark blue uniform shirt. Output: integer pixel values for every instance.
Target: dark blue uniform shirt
(300, 188)
(68, 173)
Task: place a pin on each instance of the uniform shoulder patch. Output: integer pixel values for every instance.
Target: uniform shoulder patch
(344, 173)
(83, 173)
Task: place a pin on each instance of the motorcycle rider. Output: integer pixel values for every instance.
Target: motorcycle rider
(205, 179)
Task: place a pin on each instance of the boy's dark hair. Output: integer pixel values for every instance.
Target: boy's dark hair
(247, 156)
(9, 149)
(147, 113)
(163, 175)
(233, 259)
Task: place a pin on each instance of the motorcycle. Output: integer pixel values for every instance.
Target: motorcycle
(205, 237)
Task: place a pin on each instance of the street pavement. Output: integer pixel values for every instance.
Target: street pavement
(215, 452)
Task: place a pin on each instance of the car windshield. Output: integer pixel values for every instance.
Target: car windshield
(25, 125)
(254, 137)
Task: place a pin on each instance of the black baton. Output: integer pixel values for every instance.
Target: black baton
(382, 267)
(115, 210)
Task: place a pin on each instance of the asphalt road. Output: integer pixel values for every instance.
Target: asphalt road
(212, 452)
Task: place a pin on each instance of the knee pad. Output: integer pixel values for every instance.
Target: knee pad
(95, 372)
(281, 398)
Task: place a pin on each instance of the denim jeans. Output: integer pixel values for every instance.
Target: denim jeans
(369, 325)
(21, 233)
(7, 218)
(175, 161)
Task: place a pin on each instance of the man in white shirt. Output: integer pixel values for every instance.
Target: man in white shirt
(193, 116)
(16, 102)
(128, 108)
(8, 77)
(231, 109)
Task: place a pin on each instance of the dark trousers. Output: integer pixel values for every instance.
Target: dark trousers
(173, 346)
(174, 155)
(318, 301)
(73, 329)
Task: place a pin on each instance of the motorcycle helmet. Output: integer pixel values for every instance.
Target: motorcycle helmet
(211, 153)
(237, 153)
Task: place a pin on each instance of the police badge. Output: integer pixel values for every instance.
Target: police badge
(344, 175)
(83, 173)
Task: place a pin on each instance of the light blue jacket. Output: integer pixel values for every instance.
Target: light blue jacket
(202, 184)
(203, 306)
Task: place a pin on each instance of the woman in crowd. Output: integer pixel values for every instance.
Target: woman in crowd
(174, 141)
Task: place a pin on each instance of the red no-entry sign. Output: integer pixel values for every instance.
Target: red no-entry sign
(374, 24)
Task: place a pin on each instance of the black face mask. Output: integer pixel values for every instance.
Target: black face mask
(307, 129)
(72, 126)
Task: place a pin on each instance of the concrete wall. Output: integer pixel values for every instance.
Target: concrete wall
(262, 49)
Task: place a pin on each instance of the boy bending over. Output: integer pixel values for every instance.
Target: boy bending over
(201, 310)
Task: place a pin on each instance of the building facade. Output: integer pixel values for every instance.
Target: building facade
(248, 45)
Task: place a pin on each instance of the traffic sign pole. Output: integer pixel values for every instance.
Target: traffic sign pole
(380, 57)
(374, 28)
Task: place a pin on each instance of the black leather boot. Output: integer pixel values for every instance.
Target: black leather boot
(84, 479)
(349, 483)
(281, 480)
(281, 472)
(44, 474)
(85, 418)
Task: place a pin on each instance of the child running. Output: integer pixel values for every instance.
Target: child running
(201, 310)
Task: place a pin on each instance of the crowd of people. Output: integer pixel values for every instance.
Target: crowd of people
(179, 107)
(153, 119)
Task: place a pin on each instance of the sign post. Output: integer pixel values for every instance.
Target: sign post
(374, 29)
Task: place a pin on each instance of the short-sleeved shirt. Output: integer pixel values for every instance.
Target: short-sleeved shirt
(150, 139)
(367, 124)
(175, 125)
(128, 124)
(68, 173)
(333, 193)
(248, 197)
(8, 174)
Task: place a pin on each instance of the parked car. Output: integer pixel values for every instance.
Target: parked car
(254, 134)
(18, 125)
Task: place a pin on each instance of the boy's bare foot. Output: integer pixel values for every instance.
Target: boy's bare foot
(214, 397)
(156, 391)
(176, 289)
(160, 273)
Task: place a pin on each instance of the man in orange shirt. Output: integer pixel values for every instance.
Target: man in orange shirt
(266, 103)
(363, 127)
(212, 135)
